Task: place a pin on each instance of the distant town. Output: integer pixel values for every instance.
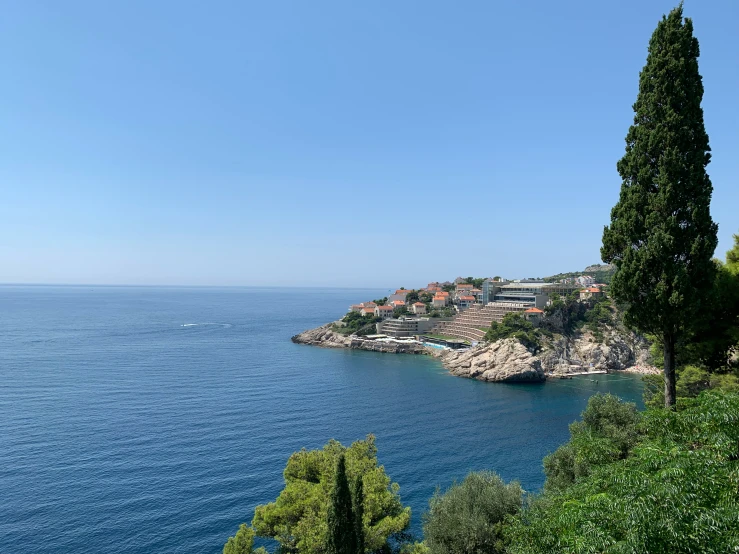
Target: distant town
(457, 314)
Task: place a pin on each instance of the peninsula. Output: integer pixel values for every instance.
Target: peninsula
(497, 330)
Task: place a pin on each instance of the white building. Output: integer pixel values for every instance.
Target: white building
(384, 311)
(418, 308)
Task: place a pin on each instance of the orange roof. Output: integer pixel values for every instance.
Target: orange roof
(368, 310)
(443, 293)
(465, 286)
(534, 311)
(466, 297)
(402, 291)
(419, 304)
(398, 302)
(593, 289)
(384, 308)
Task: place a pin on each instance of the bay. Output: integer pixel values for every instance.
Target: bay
(143, 419)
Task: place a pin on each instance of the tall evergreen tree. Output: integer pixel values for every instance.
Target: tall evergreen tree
(661, 236)
(341, 531)
(358, 507)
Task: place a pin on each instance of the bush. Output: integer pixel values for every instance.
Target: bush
(468, 518)
(608, 431)
(676, 492)
(516, 327)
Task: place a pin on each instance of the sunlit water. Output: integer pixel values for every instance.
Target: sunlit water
(144, 420)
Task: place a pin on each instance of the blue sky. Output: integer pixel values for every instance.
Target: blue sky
(329, 143)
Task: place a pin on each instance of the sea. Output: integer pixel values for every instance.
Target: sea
(146, 420)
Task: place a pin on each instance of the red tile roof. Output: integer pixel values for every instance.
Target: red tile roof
(419, 304)
(466, 297)
(385, 308)
(534, 311)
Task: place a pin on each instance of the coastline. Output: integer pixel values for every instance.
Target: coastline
(502, 361)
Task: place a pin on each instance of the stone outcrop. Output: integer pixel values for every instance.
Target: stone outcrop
(618, 349)
(322, 336)
(502, 361)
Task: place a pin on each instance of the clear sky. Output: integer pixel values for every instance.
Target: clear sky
(330, 143)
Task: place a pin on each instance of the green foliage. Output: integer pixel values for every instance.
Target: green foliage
(661, 237)
(425, 297)
(468, 518)
(516, 327)
(564, 315)
(677, 492)
(412, 296)
(356, 323)
(400, 311)
(475, 281)
(414, 548)
(448, 288)
(607, 432)
(298, 518)
(342, 538)
(241, 543)
(691, 381)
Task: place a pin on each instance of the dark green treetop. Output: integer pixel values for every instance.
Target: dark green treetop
(341, 531)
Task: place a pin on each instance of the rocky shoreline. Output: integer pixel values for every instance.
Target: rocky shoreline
(508, 360)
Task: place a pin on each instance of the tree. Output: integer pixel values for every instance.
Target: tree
(661, 237)
(468, 518)
(342, 537)
(241, 543)
(608, 431)
(298, 518)
(732, 257)
(358, 508)
(676, 491)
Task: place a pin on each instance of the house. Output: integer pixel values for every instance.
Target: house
(368, 305)
(368, 311)
(397, 303)
(418, 308)
(591, 293)
(464, 287)
(399, 294)
(466, 301)
(439, 301)
(355, 308)
(384, 311)
(585, 280)
(534, 315)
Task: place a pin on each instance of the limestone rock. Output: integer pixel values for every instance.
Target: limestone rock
(502, 361)
(322, 336)
(619, 350)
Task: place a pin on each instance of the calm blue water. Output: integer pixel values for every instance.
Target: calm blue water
(144, 420)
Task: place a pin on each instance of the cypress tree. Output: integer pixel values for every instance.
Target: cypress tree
(341, 531)
(358, 506)
(661, 237)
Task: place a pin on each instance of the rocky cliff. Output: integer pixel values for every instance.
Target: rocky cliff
(502, 361)
(618, 349)
(322, 336)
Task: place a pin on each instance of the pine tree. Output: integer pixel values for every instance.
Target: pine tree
(661, 236)
(358, 507)
(341, 531)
